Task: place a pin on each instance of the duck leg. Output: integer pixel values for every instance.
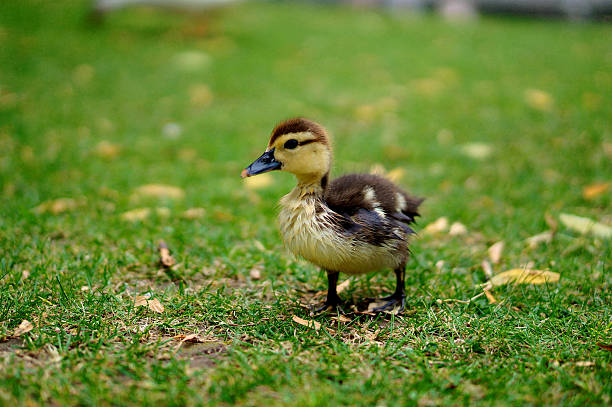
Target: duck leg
(333, 299)
(398, 297)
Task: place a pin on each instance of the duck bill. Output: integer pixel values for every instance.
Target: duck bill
(263, 164)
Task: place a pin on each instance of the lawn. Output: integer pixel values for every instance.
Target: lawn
(503, 124)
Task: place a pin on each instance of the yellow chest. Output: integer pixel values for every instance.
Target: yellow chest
(309, 234)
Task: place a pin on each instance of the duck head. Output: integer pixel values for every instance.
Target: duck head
(298, 146)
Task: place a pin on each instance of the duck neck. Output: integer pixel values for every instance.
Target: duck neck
(312, 185)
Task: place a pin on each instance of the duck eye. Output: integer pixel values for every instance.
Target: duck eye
(291, 144)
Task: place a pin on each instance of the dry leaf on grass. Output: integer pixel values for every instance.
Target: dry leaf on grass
(308, 323)
(544, 237)
(165, 259)
(341, 318)
(586, 225)
(585, 363)
(24, 327)
(160, 191)
(255, 272)
(193, 338)
(343, 285)
(523, 276)
(258, 182)
(56, 206)
(438, 226)
(594, 190)
(194, 213)
(539, 99)
(140, 214)
(486, 267)
(152, 304)
(490, 297)
(457, 229)
(495, 252)
(107, 150)
(478, 151)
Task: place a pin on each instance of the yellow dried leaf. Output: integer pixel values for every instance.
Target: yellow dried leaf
(539, 99)
(343, 285)
(490, 297)
(585, 363)
(486, 267)
(594, 190)
(106, 149)
(544, 237)
(136, 214)
(200, 95)
(495, 252)
(255, 272)
(56, 206)
(524, 276)
(165, 258)
(160, 191)
(477, 150)
(457, 229)
(152, 304)
(395, 175)
(306, 322)
(194, 213)
(258, 182)
(438, 226)
(586, 225)
(24, 327)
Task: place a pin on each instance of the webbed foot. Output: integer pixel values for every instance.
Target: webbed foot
(329, 304)
(394, 303)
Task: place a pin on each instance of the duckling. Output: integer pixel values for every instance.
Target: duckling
(354, 224)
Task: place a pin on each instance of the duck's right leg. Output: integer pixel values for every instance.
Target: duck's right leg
(333, 299)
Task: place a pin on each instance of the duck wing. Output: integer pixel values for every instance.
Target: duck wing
(371, 201)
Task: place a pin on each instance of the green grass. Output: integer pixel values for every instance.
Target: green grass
(408, 92)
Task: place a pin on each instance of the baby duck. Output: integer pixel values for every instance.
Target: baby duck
(355, 224)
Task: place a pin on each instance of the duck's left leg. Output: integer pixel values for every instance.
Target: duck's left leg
(398, 298)
(333, 299)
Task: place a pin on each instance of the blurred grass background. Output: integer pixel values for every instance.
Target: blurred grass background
(497, 122)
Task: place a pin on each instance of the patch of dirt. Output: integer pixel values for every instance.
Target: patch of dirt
(10, 346)
(201, 355)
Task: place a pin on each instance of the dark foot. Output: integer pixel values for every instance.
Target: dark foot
(329, 304)
(391, 303)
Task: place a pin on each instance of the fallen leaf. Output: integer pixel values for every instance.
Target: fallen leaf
(457, 229)
(586, 225)
(585, 363)
(165, 259)
(486, 267)
(193, 338)
(145, 301)
(594, 190)
(24, 327)
(395, 175)
(341, 318)
(136, 214)
(255, 272)
(194, 213)
(605, 346)
(159, 191)
(306, 322)
(544, 237)
(106, 149)
(200, 95)
(477, 150)
(440, 264)
(490, 297)
(56, 206)
(438, 226)
(191, 61)
(539, 100)
(524, 276)
(258, 182)
(343, 285)
(495, 251)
